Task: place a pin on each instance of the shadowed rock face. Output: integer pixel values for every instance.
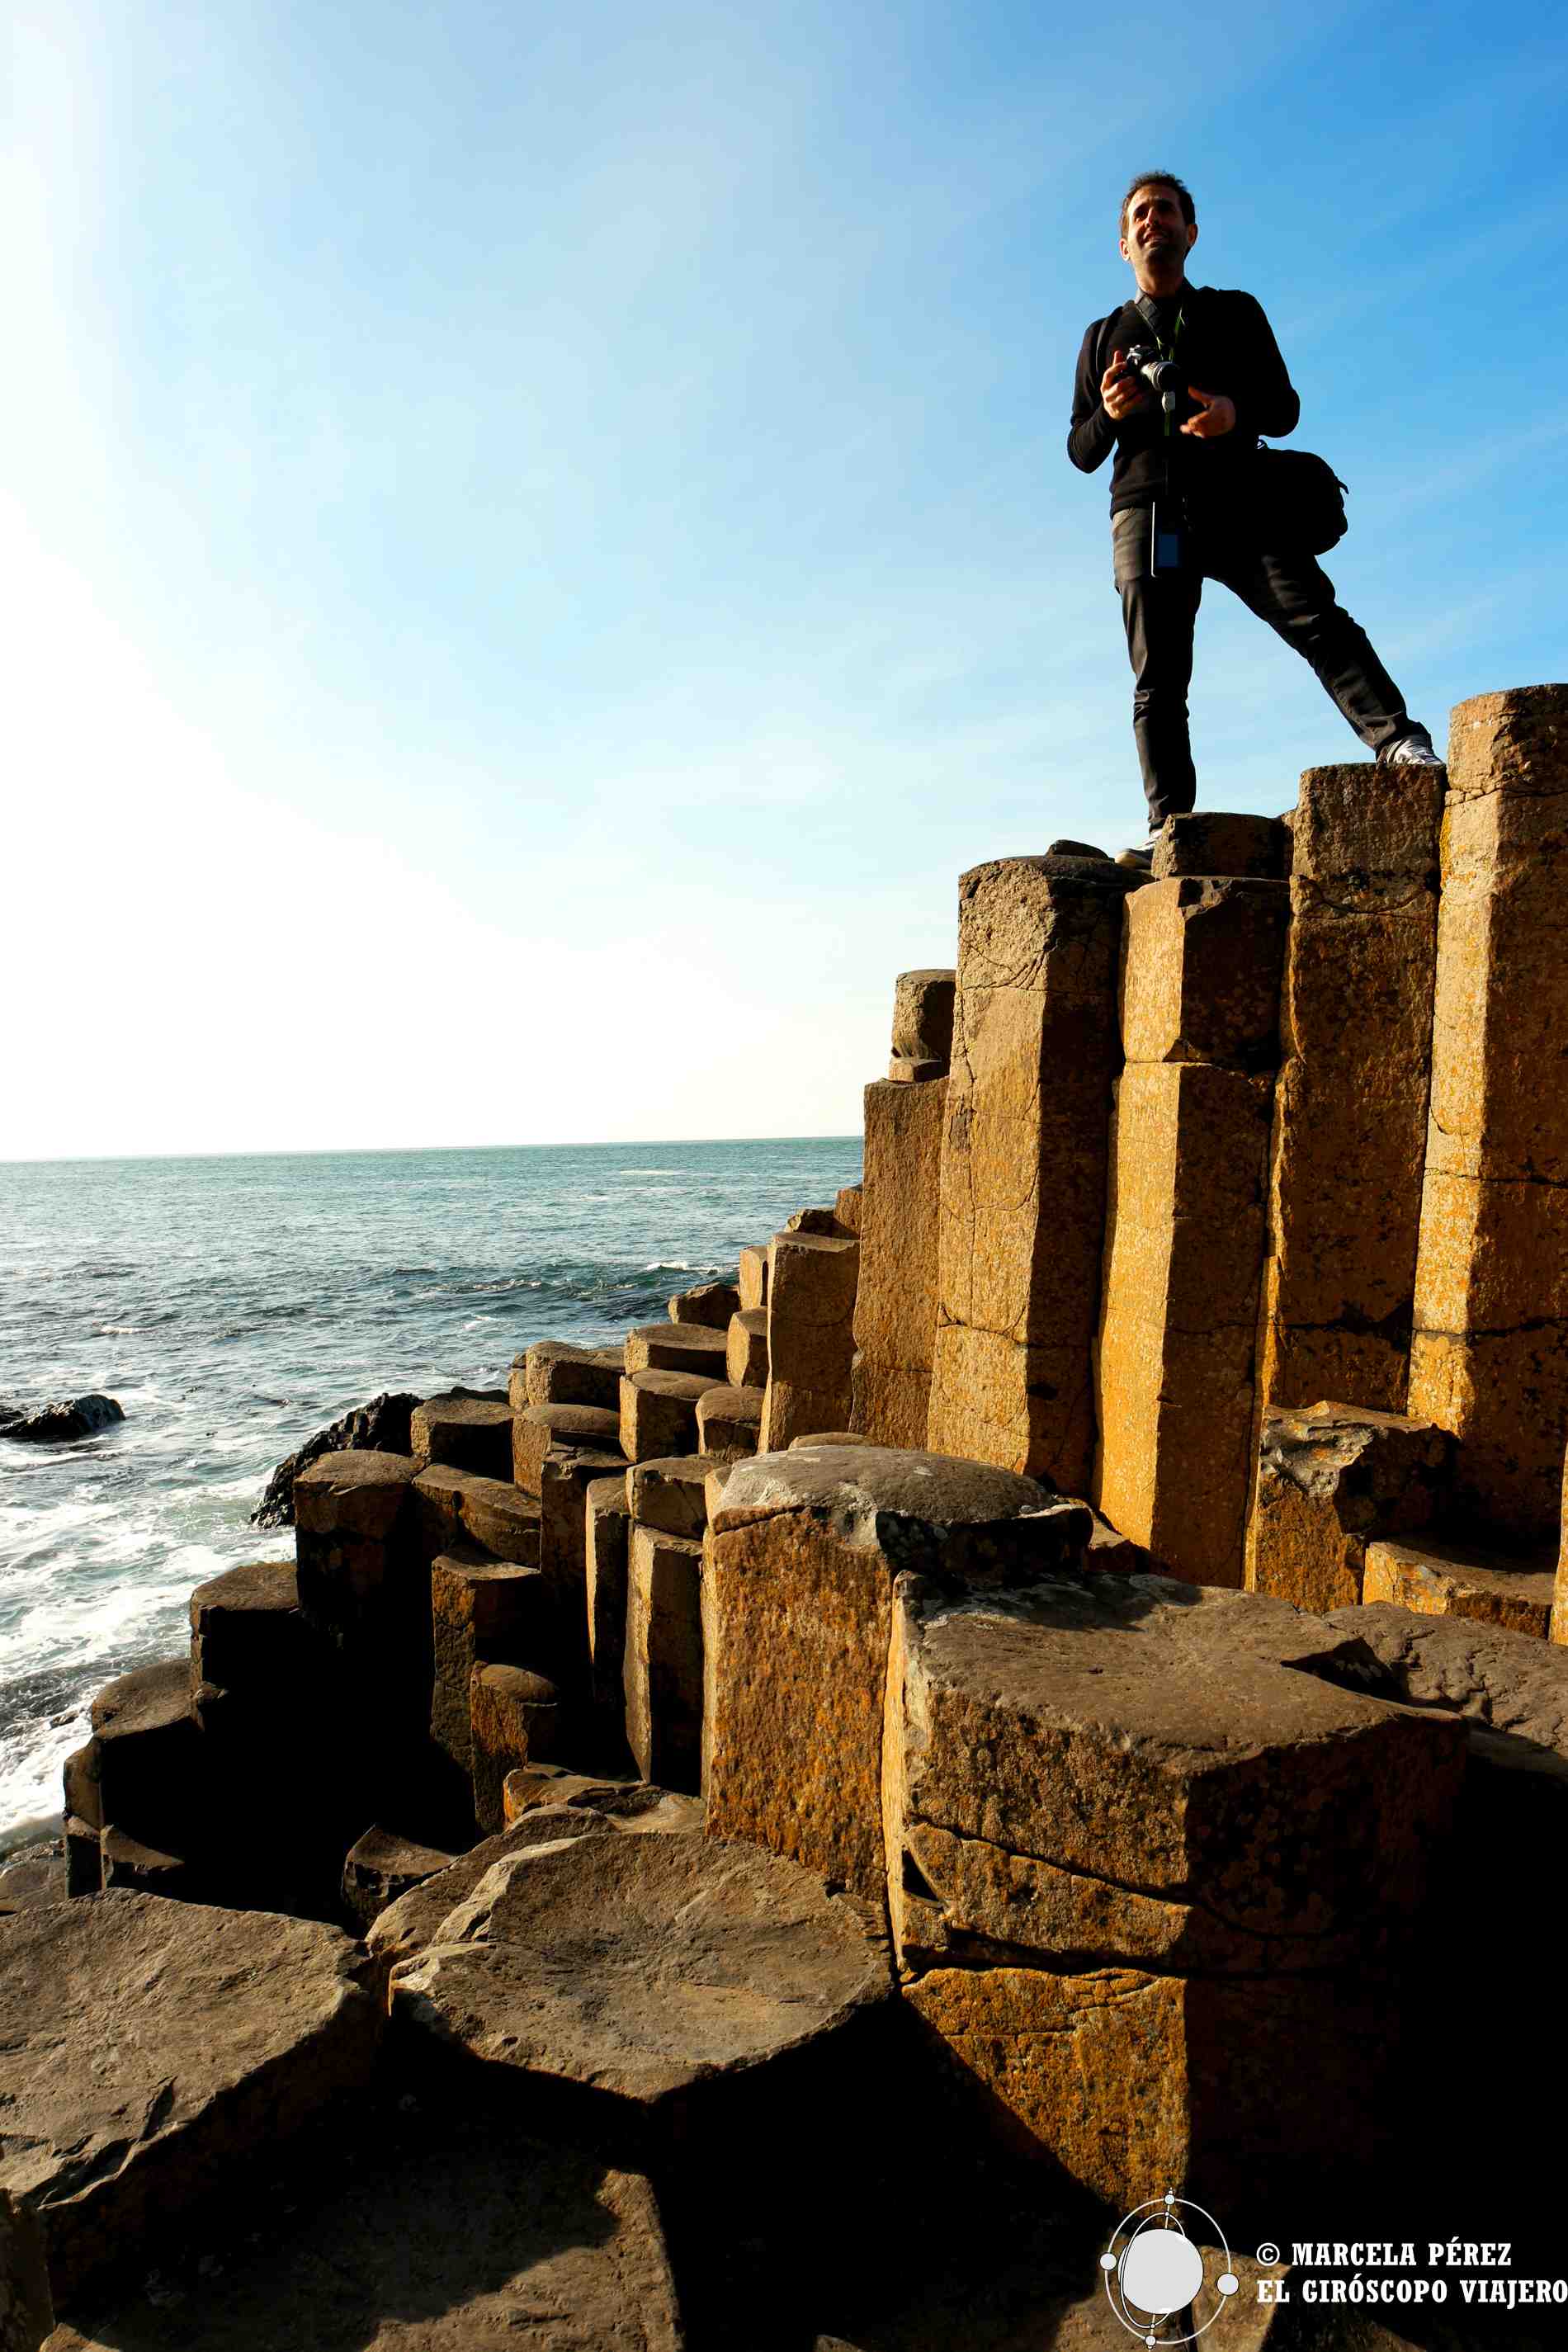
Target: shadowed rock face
(640, 1966)
(211, 2031)
(1350, 1135)
(427, 2232)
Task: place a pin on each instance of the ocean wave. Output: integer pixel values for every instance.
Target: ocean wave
(251, 1302)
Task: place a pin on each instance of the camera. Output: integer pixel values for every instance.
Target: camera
(1161, 376)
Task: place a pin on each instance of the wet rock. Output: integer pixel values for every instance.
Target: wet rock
(58, 1423)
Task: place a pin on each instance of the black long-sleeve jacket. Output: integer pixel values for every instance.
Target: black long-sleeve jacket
(1226, 345)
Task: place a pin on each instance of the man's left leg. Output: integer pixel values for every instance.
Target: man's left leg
(1295, 595)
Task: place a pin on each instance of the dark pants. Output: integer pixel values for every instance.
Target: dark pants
(1292, 592)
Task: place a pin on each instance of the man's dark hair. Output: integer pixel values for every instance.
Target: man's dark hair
(1160, 180)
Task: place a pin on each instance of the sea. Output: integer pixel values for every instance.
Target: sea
(234, 1306)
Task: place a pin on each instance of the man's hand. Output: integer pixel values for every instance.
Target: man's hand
(1216, 415)
(1122, 393)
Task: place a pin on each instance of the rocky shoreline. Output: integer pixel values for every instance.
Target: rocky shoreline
(1045, 1697)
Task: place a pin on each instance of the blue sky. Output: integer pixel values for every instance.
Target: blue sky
(538, 543)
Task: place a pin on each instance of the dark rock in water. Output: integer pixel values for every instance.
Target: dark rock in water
(381, 1426)
(10, 1412)
(49, 1424)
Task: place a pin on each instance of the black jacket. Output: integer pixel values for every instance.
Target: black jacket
(1226, 345)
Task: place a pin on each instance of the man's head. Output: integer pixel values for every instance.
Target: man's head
(1159, 229)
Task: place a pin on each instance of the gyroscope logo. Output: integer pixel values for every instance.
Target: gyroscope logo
(1157, 2277)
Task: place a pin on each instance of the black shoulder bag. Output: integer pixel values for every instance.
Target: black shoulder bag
(1297, 502)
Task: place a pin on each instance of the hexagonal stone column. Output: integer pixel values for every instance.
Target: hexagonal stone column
(1184, 1224)
(797, 1580)
(895, 1299)
(1350, 1115)
(1022, 1202)
(811, 1337)
(1145, 1874)
(1490, 1355)
(717, 1971)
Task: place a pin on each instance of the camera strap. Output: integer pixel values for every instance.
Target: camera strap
(1148, 310)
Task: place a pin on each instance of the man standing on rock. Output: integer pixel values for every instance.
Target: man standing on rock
(1184, 500)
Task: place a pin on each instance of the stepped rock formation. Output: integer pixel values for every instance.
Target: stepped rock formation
(814, 1871)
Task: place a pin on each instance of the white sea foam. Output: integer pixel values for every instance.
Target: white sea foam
(333, 1278)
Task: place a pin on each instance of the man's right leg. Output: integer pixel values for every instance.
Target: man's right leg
(1159, 614)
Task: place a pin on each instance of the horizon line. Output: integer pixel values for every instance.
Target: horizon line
(405, 1151)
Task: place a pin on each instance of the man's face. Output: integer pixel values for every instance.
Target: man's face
(1155, 232)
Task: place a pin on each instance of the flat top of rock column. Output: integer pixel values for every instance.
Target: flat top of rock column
(641, 1965)
(262, 1585)
(144, 1699)
(124, 2016)
(1084, 871)
(859, 1485)
(1158, 1664)
(337, 1473)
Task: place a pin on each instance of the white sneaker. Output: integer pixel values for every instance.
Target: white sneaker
(1142, 854)
(1412, 751)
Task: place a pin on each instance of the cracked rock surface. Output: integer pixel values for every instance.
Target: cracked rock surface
(142, 2043)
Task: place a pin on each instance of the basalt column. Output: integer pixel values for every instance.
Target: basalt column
(895, 1302)
(1185, 1226)
(1022, 1201)
(1349, 1109)
(1490, 1355)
